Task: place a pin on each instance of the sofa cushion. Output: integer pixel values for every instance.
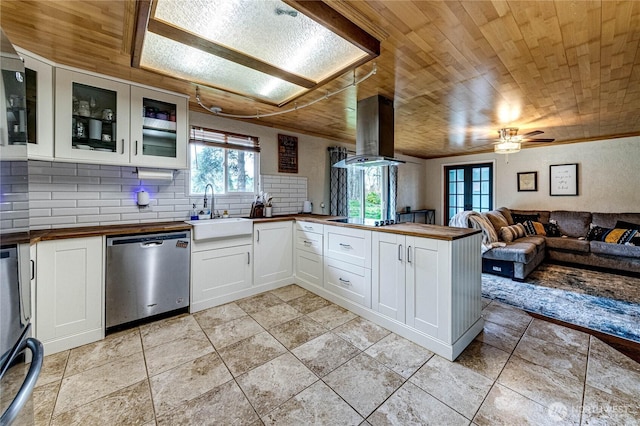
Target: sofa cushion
(573, 224)
(566, 243)
(615, 249)
(538, 240)
(497, 220)
(609, 220)
(512, 232)
(507, 215)
(522, 252)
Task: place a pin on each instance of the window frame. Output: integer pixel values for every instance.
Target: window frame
(468, 184)
(226, 143)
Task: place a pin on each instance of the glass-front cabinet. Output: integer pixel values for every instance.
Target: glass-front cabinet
(13, 114)
(92, 118)
(39, 105)
(158, 128)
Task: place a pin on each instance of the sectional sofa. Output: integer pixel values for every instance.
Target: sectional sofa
(601, 240)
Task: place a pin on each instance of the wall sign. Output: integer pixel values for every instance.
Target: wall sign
(287, 154)
(563, 179)
(527, 181)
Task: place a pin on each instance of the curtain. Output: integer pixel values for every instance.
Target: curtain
(392, 204)
(338, 183)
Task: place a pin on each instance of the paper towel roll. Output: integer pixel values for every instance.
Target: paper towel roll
(155, 174)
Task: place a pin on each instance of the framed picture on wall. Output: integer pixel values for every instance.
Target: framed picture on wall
(527, 181)
(563, 179)
(287, 154)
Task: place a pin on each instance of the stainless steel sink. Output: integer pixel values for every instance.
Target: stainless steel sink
(220, 228)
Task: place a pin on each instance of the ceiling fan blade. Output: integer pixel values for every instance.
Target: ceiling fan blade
(538, 140)
(487, 140)
(533, 133)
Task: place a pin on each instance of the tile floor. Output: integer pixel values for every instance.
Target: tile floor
(289, 357)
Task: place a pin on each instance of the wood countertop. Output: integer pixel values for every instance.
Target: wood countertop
(411, 229)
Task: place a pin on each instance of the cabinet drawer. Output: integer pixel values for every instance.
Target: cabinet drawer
(309, 227)
(348, 245)
(349, 281)
(309, 268)
(308, 241)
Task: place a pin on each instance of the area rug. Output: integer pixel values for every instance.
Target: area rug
(575, 296)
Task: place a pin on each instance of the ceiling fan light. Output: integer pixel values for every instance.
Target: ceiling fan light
(506, 147)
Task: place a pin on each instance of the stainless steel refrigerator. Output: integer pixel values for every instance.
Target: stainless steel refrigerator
(20, 354)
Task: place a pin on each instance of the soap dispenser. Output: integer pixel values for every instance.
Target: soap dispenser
(193, 214)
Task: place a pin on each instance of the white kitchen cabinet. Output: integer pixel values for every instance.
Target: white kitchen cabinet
(273, 253)
(389, 274)
(349, 281)
(348, 245)
(107, 121)
(309, 249)
(158, 128)
(220, 271)
(81, 133)
(426, 286)
(69, 292)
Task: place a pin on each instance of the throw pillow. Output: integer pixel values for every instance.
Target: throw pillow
(512, 232)
(497, 220)
(552, 230)
(534, 228)
(522, 218)
(621, 224)
(613, 236)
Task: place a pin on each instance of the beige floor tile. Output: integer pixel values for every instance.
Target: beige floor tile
(224, 405)
(559, 335)
(97, 382)
(44, 399)
(363, 383)
(498, 336)
(187, 381)
(485, 302)
(275, 315)
(289, 292)
(53, 367)
(250, 353)
(612, 372)
(602, 408)
(257, 303)
(131, 405)
(168, 330)
(556, 358)
(308, 303)
(274, 382)
(457, 386)
(233, 331)
(325, 353)
(507, 316)
(410, 405)
(103, 351)
(316, 405)
(331, 316)
(361, 333)
(546, 387)
(399, 354)
(506, 407)
(484, 359)
(217, 315)
(297, 331)
(168, 355)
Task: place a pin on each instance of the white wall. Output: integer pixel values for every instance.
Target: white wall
(608, 177)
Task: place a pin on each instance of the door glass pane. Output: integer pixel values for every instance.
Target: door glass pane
(94, 118)
(32, 92)
(13, 89)
(469, 187)
(158, 128)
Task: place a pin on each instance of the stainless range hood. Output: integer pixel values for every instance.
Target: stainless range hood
(375, 133)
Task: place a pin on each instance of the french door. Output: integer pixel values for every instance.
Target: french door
(468, 187)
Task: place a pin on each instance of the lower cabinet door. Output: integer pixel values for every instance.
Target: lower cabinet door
(388, 270)
(218, 273)
(349, 281)
(424, 312)
(309, 267)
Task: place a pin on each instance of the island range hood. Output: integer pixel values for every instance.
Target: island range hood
(374, 134)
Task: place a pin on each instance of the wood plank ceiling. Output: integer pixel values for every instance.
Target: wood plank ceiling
(457, 70)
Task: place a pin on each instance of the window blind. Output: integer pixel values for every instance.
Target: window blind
(221, 139)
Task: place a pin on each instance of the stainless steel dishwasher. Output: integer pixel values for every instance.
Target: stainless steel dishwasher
(146, 275)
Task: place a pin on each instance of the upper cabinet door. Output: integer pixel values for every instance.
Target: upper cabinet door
(39, 103)
(158, 128)
(92, 118)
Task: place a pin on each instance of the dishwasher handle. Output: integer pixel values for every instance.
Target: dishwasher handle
(152, 244)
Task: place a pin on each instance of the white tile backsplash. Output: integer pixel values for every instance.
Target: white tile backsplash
(70, 194)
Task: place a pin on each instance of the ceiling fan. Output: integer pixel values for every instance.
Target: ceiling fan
(509, 141)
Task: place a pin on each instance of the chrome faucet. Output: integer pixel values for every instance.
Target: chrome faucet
(213, 200)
